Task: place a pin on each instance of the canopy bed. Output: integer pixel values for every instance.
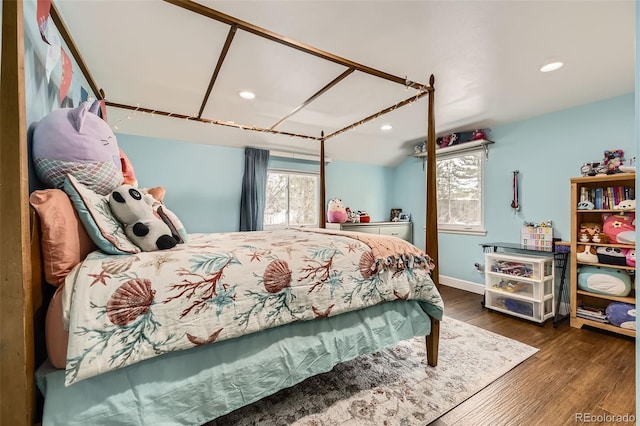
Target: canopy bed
(272, 351)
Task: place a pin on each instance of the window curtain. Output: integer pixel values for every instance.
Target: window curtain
(254, 188)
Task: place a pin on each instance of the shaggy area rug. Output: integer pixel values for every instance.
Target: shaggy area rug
(394, 386)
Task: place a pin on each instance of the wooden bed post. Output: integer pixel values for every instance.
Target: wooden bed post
(431, 236)
(17, 390)
(323, 210)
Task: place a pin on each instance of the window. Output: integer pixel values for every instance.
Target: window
(292, 199)
(460, 193)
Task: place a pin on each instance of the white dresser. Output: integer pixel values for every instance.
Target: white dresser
(402, 230)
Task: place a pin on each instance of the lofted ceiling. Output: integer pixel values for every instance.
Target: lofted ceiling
(485, 56)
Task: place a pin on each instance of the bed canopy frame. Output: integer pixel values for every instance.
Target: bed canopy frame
(22, 303)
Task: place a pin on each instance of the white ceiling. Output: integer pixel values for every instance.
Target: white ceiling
(485, 56)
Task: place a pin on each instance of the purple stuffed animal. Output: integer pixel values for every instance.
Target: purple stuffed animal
(77, 141)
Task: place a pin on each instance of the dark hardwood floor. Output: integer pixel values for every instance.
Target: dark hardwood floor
(578, 374)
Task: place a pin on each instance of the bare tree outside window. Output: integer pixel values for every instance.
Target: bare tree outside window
(459, 184)
(292, 199)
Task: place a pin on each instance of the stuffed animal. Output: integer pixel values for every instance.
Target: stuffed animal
(620, 228)
(586, 253)
(585, 205)
(352, 217)
(622, 315)
(626, 205)
(588, 230)
(613, 160)
(612, 255)
(336, 213)
(631, 257)
(77, 141)
(141, 225)
(600, 238)
(603, 280)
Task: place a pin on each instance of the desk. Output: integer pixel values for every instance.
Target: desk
(560, 253)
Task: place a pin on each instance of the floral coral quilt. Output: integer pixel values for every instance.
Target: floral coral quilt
(121, 309)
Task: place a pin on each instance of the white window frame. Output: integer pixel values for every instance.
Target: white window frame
(298, 173)
(468, 229)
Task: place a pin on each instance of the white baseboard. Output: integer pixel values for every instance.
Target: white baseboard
(462, 284)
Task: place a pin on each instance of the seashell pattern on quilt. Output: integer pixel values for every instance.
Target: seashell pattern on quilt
(122, 309)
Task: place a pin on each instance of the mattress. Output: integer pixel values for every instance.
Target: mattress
(194, 386)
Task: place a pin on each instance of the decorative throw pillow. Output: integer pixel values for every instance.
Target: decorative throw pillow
(95, 215)
(64, 241)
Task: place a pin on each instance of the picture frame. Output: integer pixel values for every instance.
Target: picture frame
(394, 215)
(404, 217)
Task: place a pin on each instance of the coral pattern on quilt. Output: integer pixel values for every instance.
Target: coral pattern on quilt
(122, 309)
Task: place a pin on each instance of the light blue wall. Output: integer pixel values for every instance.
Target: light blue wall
(204, 182)
(361, 187)
(548, 151)
(409, 195)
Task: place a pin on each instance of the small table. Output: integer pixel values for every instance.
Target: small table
(560, 253)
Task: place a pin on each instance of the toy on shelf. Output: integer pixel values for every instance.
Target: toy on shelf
(537, 236)
(626, 205)
(612, 255)
(622, 315)
(585, 205)
(364, 217)
(588, 230)
(600, 238)
(336, 212)
(620, 228)
(459, 138)
(613, 160)
(352, 216)
(586, 254)
(629, 168)
(604, 280)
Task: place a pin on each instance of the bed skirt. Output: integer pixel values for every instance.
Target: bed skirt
(195, 386)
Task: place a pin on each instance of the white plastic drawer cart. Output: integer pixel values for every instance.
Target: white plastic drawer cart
(520, 285)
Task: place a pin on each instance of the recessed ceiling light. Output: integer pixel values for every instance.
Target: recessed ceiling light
(551, 66)
(247, 94)
(386, 127)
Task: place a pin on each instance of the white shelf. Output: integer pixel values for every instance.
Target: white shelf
(465, 146)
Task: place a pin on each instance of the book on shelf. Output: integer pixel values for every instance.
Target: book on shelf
(592, 309)
(607, 197)
(592, 313)
(592, 318)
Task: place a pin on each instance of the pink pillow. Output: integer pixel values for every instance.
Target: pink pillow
(64, 241)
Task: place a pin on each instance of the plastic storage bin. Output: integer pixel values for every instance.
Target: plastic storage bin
(520, 285)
